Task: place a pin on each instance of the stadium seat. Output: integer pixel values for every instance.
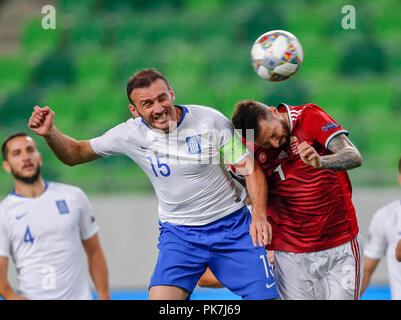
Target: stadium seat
(362, 57)
(81, 68)
(291, 92)
(35, 39)
(94, 66)
(14, 72)
(254, 20)
(54, 69)
(17, 107)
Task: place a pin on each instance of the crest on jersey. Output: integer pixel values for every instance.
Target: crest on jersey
(262, 157)
(294, 142)
(62, 207)
(193, 144)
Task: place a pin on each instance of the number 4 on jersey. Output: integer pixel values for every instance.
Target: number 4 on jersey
(28, 237)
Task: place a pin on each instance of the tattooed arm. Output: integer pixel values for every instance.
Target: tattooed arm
(345, 155)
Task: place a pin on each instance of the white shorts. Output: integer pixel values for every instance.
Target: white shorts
(332, 274)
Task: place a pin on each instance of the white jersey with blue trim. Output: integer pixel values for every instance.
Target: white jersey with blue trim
(384, 234)
(191, 182)
(44, 237)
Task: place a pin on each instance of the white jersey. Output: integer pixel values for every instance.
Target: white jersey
(43, 236)
(192, 184)
(384, 233)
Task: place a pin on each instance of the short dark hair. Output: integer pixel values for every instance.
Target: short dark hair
(4, 150)
(247, 115)
(142, 79)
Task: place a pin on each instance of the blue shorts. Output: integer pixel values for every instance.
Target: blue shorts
(225, 246)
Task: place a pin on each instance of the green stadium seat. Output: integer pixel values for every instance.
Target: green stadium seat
(14, 72)
(301, 25)
(136, 5)
(17, 108)
(55, 69)
(384, 136)
(88, 110)
(321, 56)
(292, 92)
(89, 33)
(387, 20)
(252, 21)
(129, 31)
(94, 66)
(363, 57)
(81, 69)
(364, 25)
(67, 104)
(35, 39)
(135, 56)
(220, 24)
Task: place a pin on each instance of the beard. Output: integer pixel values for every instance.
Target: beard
(30, 179)
(286, 129)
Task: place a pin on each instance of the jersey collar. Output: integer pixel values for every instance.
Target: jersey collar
(184, 112)
(13, 193)
(288, 112)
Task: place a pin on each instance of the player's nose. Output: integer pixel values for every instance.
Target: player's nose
(158, 108)
(275, 143)
(25, 156)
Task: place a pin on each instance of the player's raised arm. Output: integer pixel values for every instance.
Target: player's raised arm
(67, 149)
(260, 229)
(345, 155)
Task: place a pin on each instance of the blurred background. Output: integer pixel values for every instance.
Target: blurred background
(80, 69)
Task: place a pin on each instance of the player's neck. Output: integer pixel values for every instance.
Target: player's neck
(179, 112)
(33, 190)
(174, 123)
(286, 118)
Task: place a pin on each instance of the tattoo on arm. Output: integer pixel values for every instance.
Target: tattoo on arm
(345, 155)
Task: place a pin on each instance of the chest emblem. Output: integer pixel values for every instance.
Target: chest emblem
(62, 207)
(262, 157)
(193, 144)
(294, 142)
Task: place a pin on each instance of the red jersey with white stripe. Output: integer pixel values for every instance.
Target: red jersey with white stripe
(309, 209)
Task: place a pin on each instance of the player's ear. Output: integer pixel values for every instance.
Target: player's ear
(399, 178)
(6, 167)
(273, 110)
(133, 110)
(172, 93)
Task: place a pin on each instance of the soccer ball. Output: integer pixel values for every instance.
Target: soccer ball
(276, 55)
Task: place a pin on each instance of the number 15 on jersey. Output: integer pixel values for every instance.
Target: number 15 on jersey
(162, 168)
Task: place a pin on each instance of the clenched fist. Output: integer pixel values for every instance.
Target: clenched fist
(41, 121)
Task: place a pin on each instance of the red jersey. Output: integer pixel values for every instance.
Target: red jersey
(309, 209)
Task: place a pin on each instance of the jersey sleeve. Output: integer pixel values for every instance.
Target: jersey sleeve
(398, 228)
(377, 243)
(321, 126)
(87, 223)
(230, 142)
(4, 240)
(110, 142)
